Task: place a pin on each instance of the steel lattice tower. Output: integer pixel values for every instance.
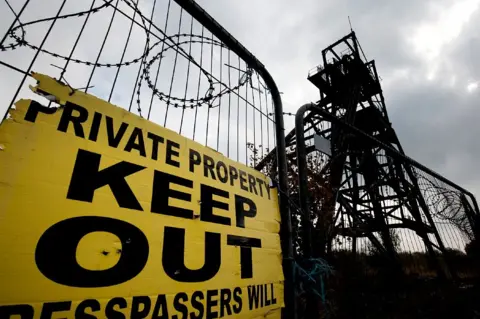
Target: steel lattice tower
(376, 192)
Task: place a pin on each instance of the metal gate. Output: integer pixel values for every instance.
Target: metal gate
(167, 61)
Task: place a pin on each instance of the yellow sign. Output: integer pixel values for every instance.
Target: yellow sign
(104, 214)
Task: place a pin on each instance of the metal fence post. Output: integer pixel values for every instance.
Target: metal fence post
(302, 180)
(286, 228)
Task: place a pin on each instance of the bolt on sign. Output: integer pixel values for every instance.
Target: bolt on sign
(107, 215)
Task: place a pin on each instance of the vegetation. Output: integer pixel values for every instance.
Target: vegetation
(362, 285)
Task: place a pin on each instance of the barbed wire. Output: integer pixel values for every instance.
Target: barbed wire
(445, 203)
(18, 38)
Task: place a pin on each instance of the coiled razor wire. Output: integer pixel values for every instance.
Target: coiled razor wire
(209, 97)
(18, 39)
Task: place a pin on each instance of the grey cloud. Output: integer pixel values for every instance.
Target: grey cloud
(436, 123)
(439, 123)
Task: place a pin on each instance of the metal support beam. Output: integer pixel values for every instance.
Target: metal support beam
(286, 227)
(302, 180)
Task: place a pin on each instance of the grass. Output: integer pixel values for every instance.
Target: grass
(363, 286)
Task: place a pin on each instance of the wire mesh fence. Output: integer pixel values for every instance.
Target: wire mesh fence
(150, 57)
(167, 61)
(419, 207)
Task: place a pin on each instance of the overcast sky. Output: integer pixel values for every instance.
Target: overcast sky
(425, 53)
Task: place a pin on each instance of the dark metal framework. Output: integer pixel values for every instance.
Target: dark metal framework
(166, 60)
(382, 199)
